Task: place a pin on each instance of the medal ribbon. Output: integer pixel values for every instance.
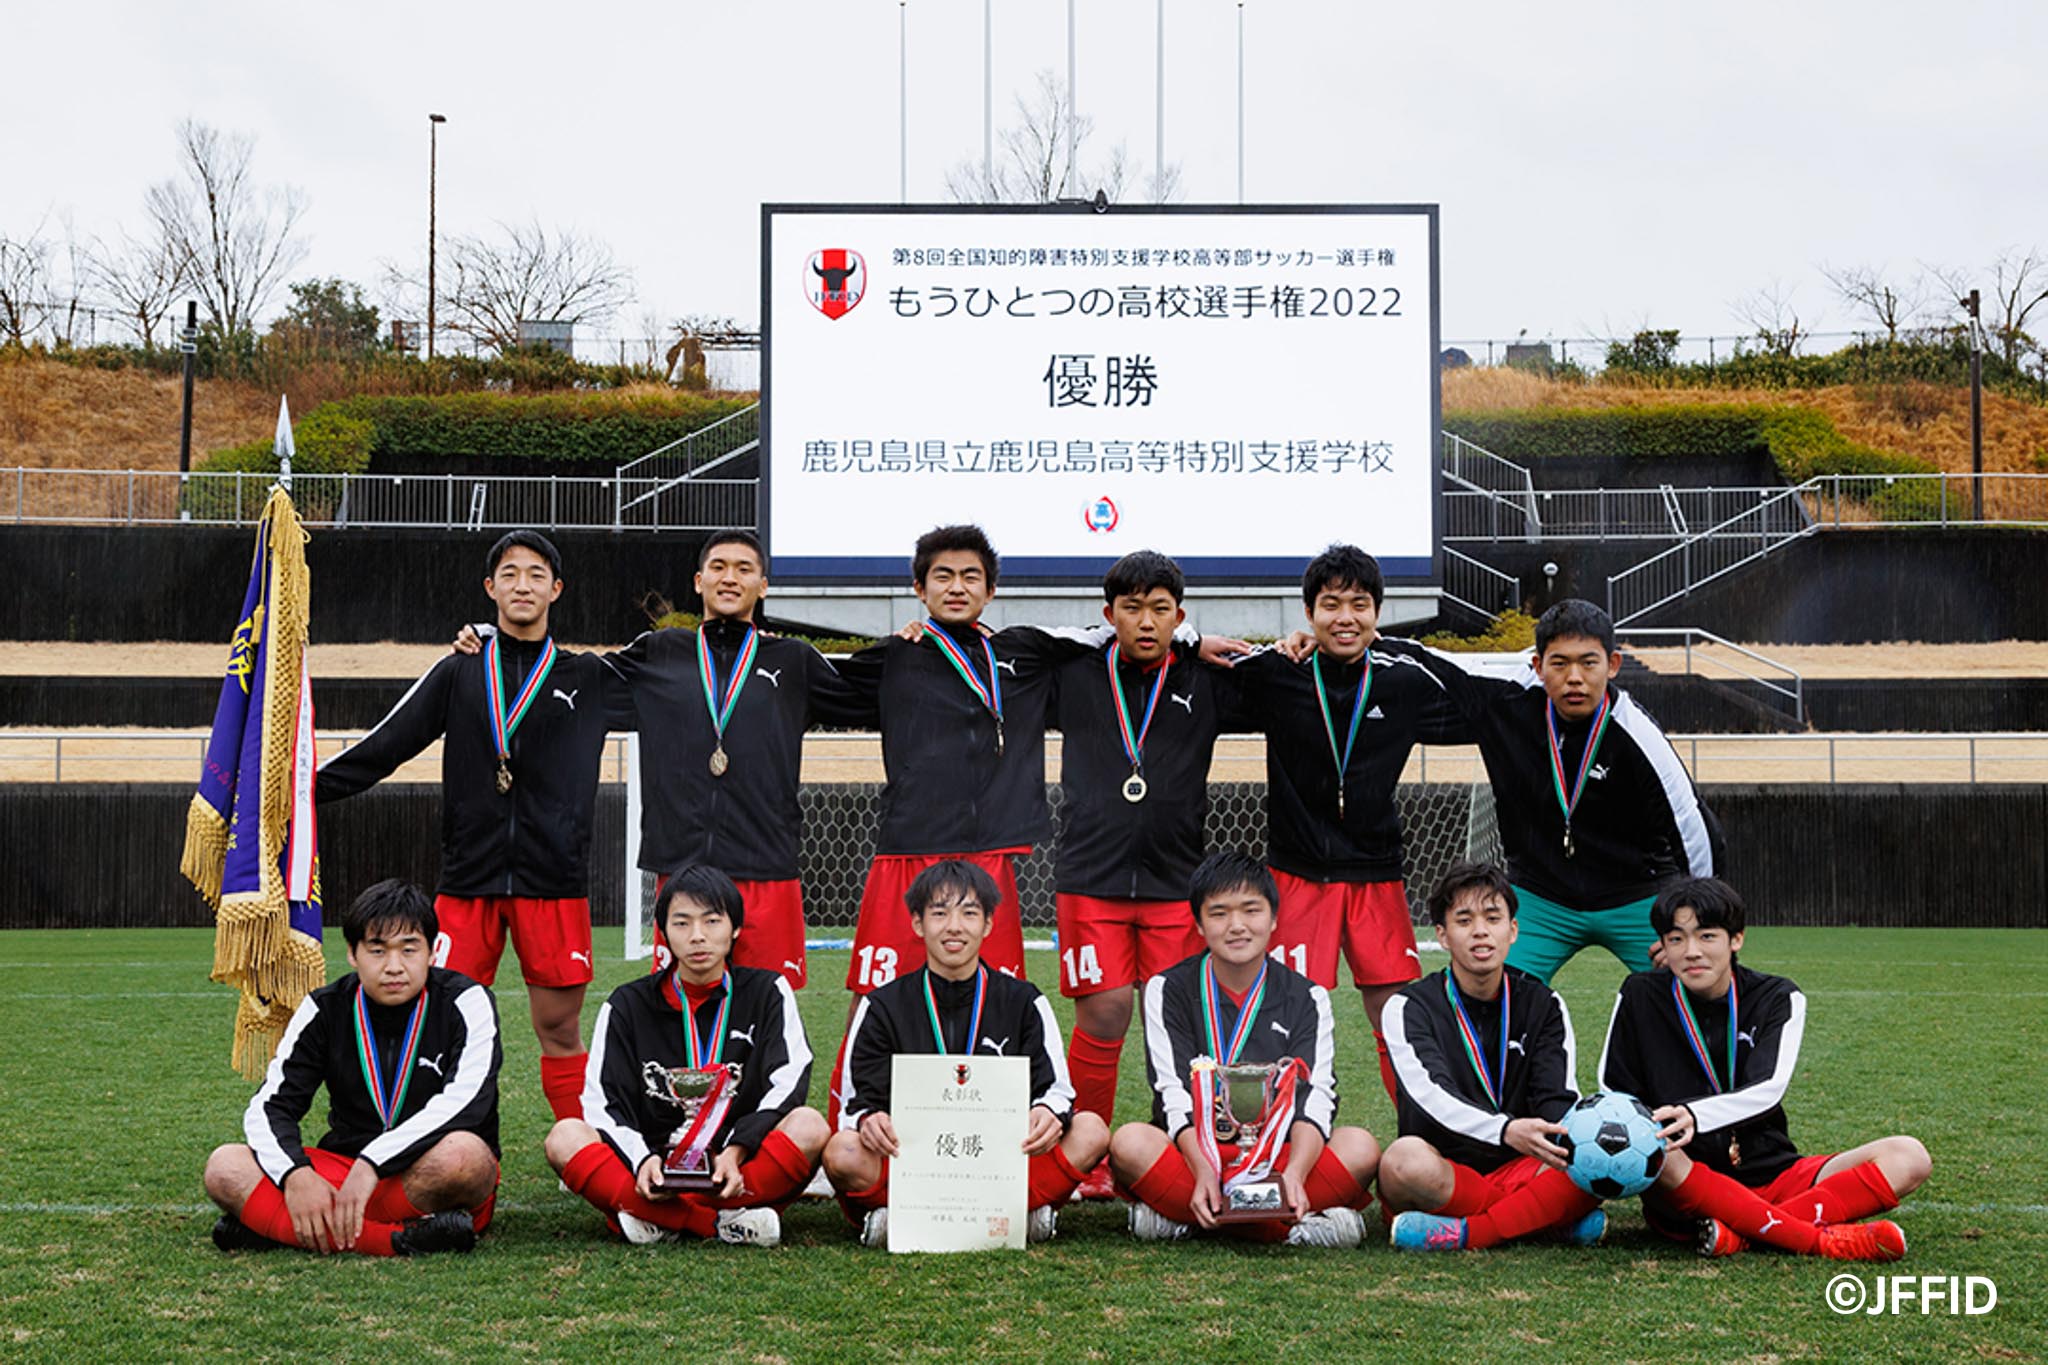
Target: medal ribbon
(990, 696)
(701, 1053)
(720, 701)
(1343, 759)
(931, 1010)
(1212, 1012)
(388, 1099)
(1698, 1038)
(1134, 744)
(1570, 802)
(502, 724)
(1495, 1083)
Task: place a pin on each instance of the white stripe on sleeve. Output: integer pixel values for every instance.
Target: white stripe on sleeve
(1059, 1096)
(597, 1110)
(1175, 1101)
(1468, 1120)
(1721, 1111)
(1672, 777)
(270, 1153)
(796, 1047)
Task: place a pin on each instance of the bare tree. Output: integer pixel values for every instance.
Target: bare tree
(24, 285)
(1891, 305)
(2019, 285)
(143, 277)
(1770, 313)
(489, 284)
(1035, 163)
(237, 240)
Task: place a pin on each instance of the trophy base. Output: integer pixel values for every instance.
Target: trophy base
(694, 1181)
(1253, 1202)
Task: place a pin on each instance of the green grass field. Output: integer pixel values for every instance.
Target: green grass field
(114, 1086)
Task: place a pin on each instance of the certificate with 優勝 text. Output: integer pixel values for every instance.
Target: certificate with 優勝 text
(960, 1181)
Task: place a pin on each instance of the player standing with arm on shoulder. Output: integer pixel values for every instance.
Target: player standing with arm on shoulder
(1595, 810)
(1234, 1005)
(955, 1003)
(705, 1011)
(1486, 1060)
(1711, 1046)
(408, 1053)
(523, 726)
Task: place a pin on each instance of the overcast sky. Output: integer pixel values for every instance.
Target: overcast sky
(1599, 165)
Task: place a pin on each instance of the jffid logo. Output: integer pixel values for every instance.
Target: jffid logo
(1101, 516)
(835, 281)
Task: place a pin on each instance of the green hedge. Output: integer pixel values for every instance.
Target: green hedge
(603, 428)
(1801, 442)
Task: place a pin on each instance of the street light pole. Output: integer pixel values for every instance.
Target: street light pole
(1975, 303)
(434, 122)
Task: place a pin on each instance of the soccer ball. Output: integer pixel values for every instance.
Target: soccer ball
(1614, 1147)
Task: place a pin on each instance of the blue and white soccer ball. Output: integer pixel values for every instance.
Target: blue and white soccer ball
(1615, 1150)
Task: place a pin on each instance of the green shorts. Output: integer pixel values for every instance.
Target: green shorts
(1550, 934)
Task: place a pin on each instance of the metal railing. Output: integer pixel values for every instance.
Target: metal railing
(1505, 493)
(650, 487)
(1477, 587)
(1720, 549)
(1777, 678)
(1664, 513)
(147, 497)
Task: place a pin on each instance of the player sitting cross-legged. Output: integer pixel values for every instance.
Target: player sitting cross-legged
(1234, 1005)
(702, 1014)
(954, 1003)
(409, 1055)
(1484, 1058)
(1711, 1046)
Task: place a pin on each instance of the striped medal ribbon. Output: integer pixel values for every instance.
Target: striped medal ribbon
(1212, 1011)
(1134, 740)
(1343, 757)
(721, 701)
(704, 1053)
(504, 723)
(990, 695)
(388, 1097)
(1568, 801)
(931, 1011)
(1696, 1038)
(1495, 1083)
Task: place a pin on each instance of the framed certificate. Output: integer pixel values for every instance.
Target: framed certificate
(960, 1181)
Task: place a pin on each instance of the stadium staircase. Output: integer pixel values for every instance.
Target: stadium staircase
(677, 484)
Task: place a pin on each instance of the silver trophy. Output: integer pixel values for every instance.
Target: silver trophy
(687, 1088)
(1245, 1098)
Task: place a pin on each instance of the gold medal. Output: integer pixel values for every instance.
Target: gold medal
(1135, 788)
(504, 779)
(719, 762)
(1734, 1152)
(1570, 849)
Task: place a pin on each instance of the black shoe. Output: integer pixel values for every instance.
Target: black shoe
(449, 1230)
(232, 1234)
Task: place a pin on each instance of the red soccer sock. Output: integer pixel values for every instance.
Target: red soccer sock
(1330, 1185)
(1547, 1201)
(1387, 1069)
(832, 1088)
(857, 1204)
(1468, 1195)
(561, 1080)
(773, 1175)
(1706, 1193)
(1852, 1195)
(264, 1212)
(599, 1177)
(1052, 1178)
(1093, 1064)
(480, 1216)
(389, 1203)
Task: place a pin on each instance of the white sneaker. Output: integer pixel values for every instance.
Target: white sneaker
(1340, 1228)
(1042, 1224)
(750, 1227)
(820, 1186)
(640, 1232)
(875, 1231)
(1150, 1225)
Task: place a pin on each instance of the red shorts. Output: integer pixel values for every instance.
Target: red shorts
(1107, 945)
(1795, 1180)
(1502, 1180)
(772, 937)
(333, 1168)
(552, 938)
(1370, 920)
(886, 945)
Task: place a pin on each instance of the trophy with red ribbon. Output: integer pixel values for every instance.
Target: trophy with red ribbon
(703, 1095)
(1249, 1106)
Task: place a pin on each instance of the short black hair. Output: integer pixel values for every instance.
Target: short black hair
(956, 877)
(532, 540)
(1342, 566)
(1461, 877)
(734, 536)
(1574, 618)
(391, 907)
(940, 539)
(705, 885)
(1139, 572)
(1228, 869)
(1714, 903)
